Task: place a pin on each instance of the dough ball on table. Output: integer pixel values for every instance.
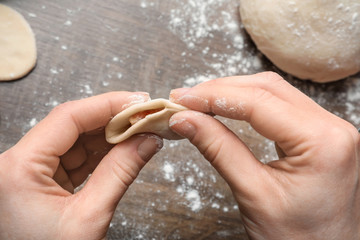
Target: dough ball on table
(317, 40)
(17, 45)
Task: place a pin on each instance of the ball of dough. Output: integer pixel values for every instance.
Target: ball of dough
(17, 45)
(317, 40)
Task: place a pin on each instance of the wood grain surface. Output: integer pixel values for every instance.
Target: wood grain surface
(90, 47)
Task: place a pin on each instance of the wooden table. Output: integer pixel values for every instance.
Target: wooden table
(91, 47)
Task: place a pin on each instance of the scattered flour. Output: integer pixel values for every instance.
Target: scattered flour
(68, 23)
(175, 122)
(135, 99)
(54, 71)
(33, 15)
(105, 83)
(87, 89)
(168, 169)
(219, 195)
(33, 122)
(197, 22)
(190, 180)
(52, 103)
(353, 94)
(221, 103)
(215, 205)
(193, 198)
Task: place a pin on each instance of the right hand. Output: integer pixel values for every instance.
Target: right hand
(312, 191)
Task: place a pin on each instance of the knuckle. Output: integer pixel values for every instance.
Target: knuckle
(342, 137)
(273, 80)
(260, 94)
(19, 170)
(259, 97)
(67, 111)
(63, 108)
(271, 76)
(343, 144)
(123, 173)
(212, 149)
(123, 169)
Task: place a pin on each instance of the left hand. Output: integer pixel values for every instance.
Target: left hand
(38, 175)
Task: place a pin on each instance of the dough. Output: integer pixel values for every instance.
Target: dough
(151, 117)
(17, 45)
(317, 40)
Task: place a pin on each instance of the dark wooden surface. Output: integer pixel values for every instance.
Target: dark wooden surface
(91, 47)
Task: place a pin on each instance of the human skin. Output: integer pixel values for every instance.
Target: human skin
(39, 174)
(312, 190)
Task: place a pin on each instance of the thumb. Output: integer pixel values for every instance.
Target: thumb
(115, 173)
(222, 148)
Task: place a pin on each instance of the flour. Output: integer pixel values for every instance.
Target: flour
(196, 23)
(353, 93)
(204, 103)
(105, 83)
(352, 113)
(52, 103)
(194, 201)
(68, 23)
(33, 122)
(173, 122)
(215, 205)
(168, 171)
(192, 180)
(135, 99)
(87, 89)
(56, 71)
(119, 75)
(221, 103)
(33, 15)
(196, 20)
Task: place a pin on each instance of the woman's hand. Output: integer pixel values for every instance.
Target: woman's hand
(38, 175)
(312, 191)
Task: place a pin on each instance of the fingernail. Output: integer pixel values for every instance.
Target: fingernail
(176, 93)
(182, 127)
(149, 147)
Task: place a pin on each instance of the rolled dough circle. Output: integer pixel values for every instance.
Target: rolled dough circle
(17, 45)
(317, 40)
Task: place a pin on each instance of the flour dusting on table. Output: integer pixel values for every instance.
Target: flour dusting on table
(197, 23)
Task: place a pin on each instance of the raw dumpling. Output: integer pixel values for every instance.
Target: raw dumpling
(151, 117)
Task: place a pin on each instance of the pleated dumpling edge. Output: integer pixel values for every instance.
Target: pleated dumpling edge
(148, 117)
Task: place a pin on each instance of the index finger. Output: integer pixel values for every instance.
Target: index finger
(280, 114)
(55, 134)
